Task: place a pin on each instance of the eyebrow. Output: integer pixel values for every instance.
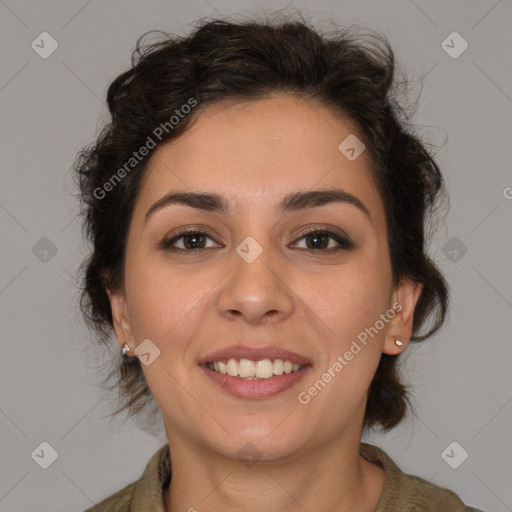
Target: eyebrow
(213, 202)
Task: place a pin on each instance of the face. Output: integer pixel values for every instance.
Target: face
(271, 270)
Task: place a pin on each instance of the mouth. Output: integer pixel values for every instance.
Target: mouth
(254, 373)
(254, 370)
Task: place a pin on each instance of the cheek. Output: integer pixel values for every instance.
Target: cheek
(349, 302)
(165, 300)
(349, 298)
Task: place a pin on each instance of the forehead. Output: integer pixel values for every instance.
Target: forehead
(253, 152)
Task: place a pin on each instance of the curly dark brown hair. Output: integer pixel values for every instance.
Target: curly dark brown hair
(352, 74)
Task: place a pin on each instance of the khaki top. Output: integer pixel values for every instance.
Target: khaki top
(402, 492)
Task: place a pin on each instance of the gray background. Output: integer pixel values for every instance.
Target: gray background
(52, 107)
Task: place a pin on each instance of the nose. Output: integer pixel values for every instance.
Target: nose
(258, 291)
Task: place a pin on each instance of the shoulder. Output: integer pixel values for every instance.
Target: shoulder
(411, 493)
(117, 502)
(146, 492)
(426, 496)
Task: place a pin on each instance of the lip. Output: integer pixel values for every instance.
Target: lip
(254, 354)
(255, 389)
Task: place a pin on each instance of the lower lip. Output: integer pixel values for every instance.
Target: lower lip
(264, 388)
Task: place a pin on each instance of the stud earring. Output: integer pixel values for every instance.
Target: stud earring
(125, 349)
(399, 342)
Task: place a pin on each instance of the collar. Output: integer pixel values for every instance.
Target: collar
(400, 490)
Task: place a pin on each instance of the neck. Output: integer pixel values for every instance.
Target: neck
(332, 478)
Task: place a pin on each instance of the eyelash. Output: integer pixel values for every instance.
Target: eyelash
(343, 243)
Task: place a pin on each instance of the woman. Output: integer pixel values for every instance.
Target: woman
(257, 209)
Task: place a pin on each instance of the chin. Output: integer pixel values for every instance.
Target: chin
(265, 442)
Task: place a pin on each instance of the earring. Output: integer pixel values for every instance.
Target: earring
(399, 342)
(125, 349)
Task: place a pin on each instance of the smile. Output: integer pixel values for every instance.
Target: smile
(247, 372)
(254, 370)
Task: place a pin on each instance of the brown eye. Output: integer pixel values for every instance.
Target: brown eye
(191, 240)
(320, 240)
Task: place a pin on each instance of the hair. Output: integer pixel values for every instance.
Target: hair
(352, 75)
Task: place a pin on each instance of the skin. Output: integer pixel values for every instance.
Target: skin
(313, 303)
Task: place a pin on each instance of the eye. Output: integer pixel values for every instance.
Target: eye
(319, 240)
(191, 240)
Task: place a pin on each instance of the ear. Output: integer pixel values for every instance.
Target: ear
(404, 299)
(121, 318)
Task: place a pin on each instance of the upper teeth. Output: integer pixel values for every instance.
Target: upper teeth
(262, 369)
